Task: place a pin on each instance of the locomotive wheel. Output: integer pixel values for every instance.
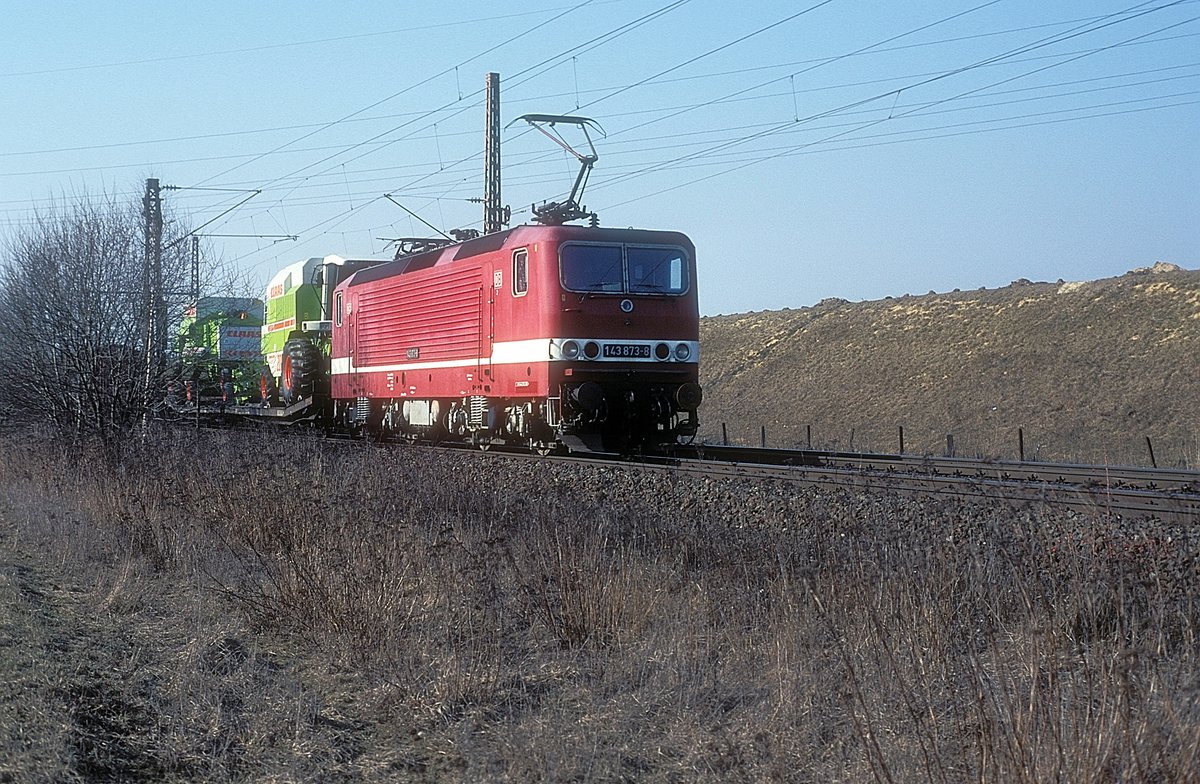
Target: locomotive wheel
(300, 371)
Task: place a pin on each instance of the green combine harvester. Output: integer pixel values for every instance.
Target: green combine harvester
(297, 328)
(218, 351)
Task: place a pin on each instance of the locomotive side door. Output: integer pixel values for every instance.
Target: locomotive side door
(350, 314)
(487, 330)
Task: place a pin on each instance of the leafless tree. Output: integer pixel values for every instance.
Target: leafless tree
(73, 312)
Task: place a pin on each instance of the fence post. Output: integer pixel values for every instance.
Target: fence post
(1150, 449)
(901, 439)
(724, 435)
(764, 436)
(949, 445)
(1021, 444)
(808, 435)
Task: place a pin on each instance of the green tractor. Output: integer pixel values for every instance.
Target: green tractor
(297, 327)
(217, 349)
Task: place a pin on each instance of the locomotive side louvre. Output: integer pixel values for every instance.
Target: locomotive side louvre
(436, 317)
(425, 328)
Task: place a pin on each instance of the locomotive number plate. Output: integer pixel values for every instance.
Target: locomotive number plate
(626, 351)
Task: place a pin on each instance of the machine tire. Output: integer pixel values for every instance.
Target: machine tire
(300, 371)
(268, 388)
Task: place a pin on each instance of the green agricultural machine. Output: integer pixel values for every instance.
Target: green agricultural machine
(298, 325)
(217, 351)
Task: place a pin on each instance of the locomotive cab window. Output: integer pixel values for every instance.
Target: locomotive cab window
(520, 277)
(628, 269)
(337, 309)
(656, 270)
(592, 268)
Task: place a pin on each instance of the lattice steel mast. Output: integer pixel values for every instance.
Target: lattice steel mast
(495, 215)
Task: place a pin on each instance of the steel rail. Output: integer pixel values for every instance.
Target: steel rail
(1133, 503)
(1066, 473)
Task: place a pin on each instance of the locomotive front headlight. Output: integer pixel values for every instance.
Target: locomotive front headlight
(570, 350)
(683, 352)
(662, 351)
(591, 349)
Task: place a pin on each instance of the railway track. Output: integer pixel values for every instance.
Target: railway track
(1123, 490)
(1127, 491)
(1130, 491)
(1059, 473)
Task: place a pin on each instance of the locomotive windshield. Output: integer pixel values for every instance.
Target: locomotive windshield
(624, 269)
(592, 268)
(655, 270)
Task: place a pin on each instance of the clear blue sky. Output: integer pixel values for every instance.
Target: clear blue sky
(853, 150)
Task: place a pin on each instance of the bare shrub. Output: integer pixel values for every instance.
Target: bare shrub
(72, 308)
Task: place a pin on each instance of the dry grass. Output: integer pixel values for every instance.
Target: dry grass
(278, 609)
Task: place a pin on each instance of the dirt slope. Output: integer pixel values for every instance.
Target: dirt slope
(1088, 370)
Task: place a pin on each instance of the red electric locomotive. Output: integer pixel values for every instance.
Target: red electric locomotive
(545, 335)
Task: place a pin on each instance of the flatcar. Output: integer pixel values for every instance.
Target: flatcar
(550, 336)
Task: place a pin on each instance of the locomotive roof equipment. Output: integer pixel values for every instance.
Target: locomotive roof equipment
(556, 213)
